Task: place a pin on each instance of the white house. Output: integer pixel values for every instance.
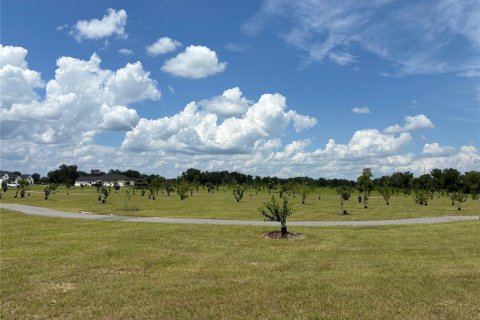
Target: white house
(106, 180)
(4, 177)
(25, 177)
(13, 180)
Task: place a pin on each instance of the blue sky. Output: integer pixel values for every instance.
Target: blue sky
(318, 88)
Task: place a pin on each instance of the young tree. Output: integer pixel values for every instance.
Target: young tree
(406, 191)
(169, 189)
(47, 191)
(23, 184)
(127, 197)
(103, 194)
(304, 190)
(151, 190)
(210, 187)
(4, 185)
(274, 211)
(459, 197)
(238, 191)
(344, 193)
(451, 195)
(116, 186)
(68, 186)
(157, 183)
(365, 185)
(386, 193)
(182, 190)
(420, 196)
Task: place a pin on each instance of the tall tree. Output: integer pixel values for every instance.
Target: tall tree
(451, 179)
(365, 185)
(64, 174)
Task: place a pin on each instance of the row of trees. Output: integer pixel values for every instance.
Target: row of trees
(448, 180)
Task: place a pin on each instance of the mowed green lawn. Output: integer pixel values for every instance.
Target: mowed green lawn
(75, 269)
(222, 205)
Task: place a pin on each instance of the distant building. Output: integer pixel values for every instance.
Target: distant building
(106, 180)
(4, 176)
(13, 180)
(25, 177)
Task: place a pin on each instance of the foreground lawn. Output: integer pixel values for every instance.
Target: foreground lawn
(222, 205)
(72, 269)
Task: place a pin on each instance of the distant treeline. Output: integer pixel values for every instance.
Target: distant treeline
(450, 179)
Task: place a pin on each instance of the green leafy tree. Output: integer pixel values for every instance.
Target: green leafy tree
(158, 183)
(438, 179)
(210, 187)
(238, 192)
(420, 196)
(365, 185)
(103, 194)
(151, 191)
(23, 184)
(386, 192)
(344, 192)
(47, 191)
(36, 178)
(169, 189)
(116, 186)
(304, 190)
(451, 178)
(182, 190)
(406, 191)
(4, 185)
(64, 174)
(460, 198)
(273, 211)
(471, 183)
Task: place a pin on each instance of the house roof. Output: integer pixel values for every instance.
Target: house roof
(105, 178)
(115, 177)
(25, 176)
(87, 178)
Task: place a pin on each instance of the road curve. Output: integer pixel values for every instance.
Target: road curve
(46, 212)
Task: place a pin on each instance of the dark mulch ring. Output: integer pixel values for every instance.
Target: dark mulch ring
(278, 235)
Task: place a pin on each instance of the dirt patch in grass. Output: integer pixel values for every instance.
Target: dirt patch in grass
(63, 287)
(277, 234)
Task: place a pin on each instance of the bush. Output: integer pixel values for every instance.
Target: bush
(238, 192)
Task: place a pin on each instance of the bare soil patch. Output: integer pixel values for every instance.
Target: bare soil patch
(277, 234)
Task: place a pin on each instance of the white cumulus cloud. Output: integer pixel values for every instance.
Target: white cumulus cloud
(230, 104)
(112, 23)
(198, 131)
(195, 62)
(17, 82)
(163, 45)
(80, 101)
(416, 122)
(435, 150)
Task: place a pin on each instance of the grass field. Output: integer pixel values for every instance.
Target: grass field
(222, 205)
(72, 269)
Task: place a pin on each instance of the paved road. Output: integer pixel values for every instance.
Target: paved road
(45, 212)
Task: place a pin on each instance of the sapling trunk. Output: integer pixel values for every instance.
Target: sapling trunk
(284, 230)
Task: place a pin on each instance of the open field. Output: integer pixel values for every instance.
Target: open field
(222, 205)
(71, 269)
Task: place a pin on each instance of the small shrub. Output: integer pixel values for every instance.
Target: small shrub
(238, 192)
(273, 211)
